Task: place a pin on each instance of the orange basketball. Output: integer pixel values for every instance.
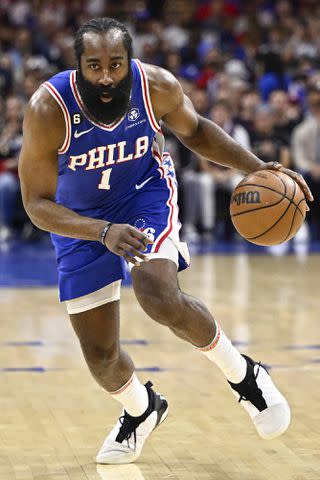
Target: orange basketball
(267, 207)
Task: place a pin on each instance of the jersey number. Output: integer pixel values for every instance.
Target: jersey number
(76, 118)
(105, 180)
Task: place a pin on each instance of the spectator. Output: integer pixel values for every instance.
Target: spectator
(6, 75)
(221, 181)
(306, 155)
(10, 144)
(248, 105)
(266, 143)
(272, 65)
(286, 115)
(20, 51)
(244, 53)
(207, 188)
(195, 185)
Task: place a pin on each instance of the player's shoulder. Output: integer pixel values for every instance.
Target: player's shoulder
(42, 106)
(44, 118)
(43, 102)
(160, 79)
(165, 89)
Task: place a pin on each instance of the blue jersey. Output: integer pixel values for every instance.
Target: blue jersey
(117, 172)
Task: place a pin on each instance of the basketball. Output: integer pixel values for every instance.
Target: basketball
(267, 207)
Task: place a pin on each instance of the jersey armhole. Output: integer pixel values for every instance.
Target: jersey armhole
(56, 95)
(146, 97)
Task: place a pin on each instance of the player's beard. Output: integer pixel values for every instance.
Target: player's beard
(95, 107)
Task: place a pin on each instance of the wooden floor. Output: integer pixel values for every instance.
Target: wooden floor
(53, 420)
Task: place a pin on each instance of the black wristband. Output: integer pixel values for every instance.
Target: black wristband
(104, 233)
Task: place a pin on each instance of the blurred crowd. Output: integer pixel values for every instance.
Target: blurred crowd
(252, 67)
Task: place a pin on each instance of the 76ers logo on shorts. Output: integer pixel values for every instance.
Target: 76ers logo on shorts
(150, 233)
(140, 224)
(133, 114)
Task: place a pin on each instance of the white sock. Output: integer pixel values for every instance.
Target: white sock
(133, 396)
(225, 356)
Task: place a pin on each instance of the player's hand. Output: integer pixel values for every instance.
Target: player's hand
(127, 242)
(297, 177)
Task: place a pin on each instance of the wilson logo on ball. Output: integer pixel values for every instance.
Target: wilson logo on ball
(246, 197)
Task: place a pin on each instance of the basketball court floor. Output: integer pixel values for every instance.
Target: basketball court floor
(54, 417)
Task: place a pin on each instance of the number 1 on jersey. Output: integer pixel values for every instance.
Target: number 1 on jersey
(104, 184)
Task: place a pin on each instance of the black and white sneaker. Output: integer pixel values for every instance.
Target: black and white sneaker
(267, 408)
(124, 443)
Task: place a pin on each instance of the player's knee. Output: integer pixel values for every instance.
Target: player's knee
(158, 292)
(162, 306)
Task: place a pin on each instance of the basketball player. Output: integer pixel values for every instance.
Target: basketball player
(95, 174)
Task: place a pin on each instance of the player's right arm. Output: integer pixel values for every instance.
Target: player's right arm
(43, 134)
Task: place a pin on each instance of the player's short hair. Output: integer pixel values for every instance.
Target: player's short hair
(102, 25)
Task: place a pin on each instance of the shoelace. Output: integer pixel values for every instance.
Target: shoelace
(126, 430)
(242, 397)
(129, 424)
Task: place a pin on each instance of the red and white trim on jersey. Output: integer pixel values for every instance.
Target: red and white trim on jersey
(146, 97)
(157, 157)
(78, 99)
(157, 150)
(173, 221)
(56, 95)
(214, 341)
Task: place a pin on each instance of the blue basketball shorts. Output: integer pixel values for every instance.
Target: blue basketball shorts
(85, 267)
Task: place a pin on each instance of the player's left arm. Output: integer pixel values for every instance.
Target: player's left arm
(201, 135)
